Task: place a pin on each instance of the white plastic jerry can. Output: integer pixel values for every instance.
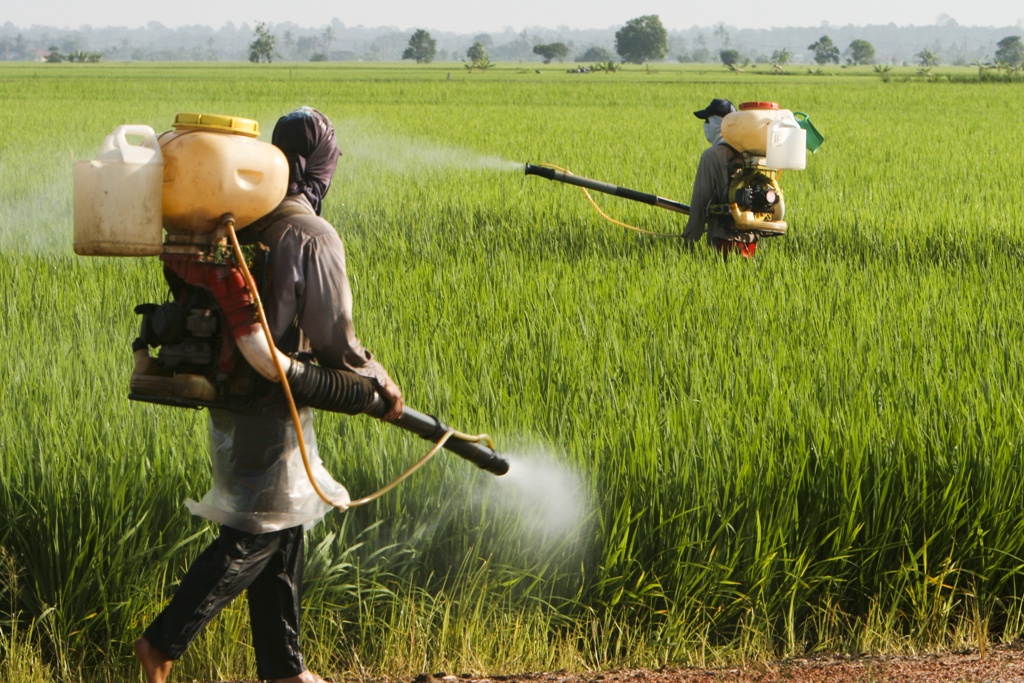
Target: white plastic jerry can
(118, 196)
(787, 143)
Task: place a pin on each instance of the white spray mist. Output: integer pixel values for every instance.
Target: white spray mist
(542, 507)
(403, 154)
(40, 221)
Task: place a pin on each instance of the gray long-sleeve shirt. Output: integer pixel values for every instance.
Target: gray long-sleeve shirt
(309, 301)
(259, 481)
(711, 187)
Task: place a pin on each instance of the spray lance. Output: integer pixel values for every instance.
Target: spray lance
(563, 176)
(769, 140)
(215, 347)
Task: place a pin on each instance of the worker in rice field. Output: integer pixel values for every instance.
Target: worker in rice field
(261, 496)
(709, 207)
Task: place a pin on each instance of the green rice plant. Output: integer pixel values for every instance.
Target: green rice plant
(812, 451)
(20, 655)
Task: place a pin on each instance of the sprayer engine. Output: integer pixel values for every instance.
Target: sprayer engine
(756, 200)
(759, 198)
(194, 362)
(188, 336)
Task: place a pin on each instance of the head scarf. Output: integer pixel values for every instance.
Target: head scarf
(713, 115)
(307, 139)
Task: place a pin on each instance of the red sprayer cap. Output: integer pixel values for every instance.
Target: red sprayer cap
(746, 106)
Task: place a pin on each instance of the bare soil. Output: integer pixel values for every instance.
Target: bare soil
(1002, 664)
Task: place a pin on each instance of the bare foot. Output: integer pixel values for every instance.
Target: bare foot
(156, 664)
(306, 676)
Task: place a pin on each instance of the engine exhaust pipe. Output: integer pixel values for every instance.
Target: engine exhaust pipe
(607, 188)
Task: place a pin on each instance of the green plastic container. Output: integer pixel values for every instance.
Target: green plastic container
(814, 138)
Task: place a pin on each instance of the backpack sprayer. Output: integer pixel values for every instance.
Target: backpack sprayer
(199, 182)
(767, 140)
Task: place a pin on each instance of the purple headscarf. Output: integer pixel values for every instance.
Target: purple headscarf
(307, 139)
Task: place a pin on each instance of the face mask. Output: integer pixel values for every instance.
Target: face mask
(713, 129)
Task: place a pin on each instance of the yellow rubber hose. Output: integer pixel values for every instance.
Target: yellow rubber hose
(609, 218)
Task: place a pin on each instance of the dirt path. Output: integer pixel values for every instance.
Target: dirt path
(1003, 664)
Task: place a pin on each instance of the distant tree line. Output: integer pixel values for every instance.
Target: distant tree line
(1009, 53)
(642, 39)
(54, 56)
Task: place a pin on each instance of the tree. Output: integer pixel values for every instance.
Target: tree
(701, 53)
(927, 58)
(642, 39)
(84, 56)
(1010, 51)
(477, 52)
(262, 49)
(782, 57)
(722, 34)
(824, 50)
(483, 63)
(729, 57)
(328, 36)
(520, 49)
(551, 51)
(861, 52)
(422, 47)
(596, 54)
(478, 57)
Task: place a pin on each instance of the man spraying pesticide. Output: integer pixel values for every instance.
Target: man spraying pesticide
(736, 196)
(249, 364)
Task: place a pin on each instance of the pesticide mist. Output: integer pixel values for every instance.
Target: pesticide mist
(402, 154)
(37, 217)
(542, 506)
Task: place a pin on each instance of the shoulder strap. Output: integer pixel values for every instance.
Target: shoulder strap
(735, 163)
(293, 210)
(252, 232)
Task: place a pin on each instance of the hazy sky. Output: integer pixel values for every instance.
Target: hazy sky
(479, 16)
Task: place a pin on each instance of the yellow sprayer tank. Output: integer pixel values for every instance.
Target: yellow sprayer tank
(214, 165)
(762, 129)
(746, 130)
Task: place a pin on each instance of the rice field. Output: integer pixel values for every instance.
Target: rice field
(817, 450)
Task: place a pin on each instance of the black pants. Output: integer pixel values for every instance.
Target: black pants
(267, 566)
